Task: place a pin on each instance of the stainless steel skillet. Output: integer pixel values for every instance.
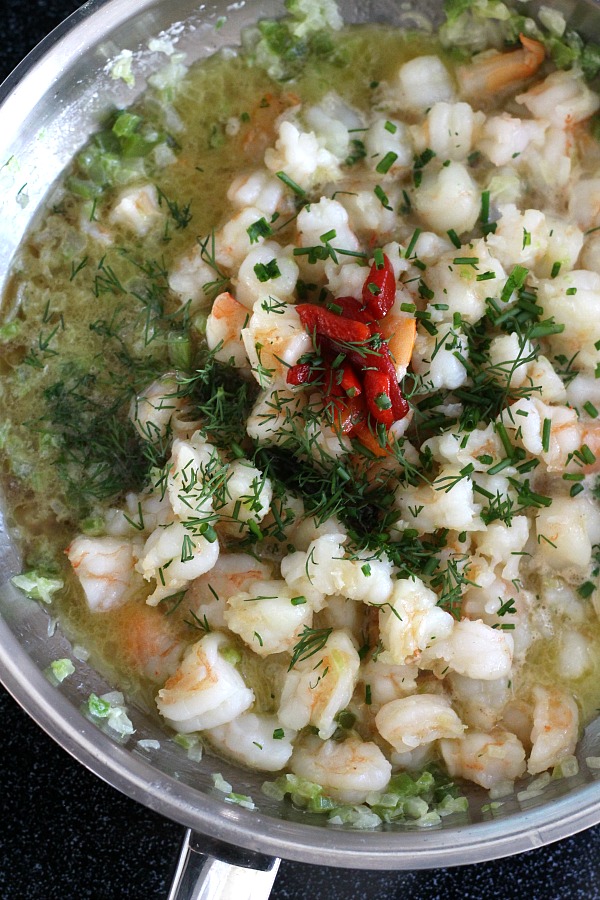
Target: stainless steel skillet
(48, 107)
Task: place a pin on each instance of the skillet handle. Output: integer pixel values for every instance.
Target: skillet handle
(209, 870)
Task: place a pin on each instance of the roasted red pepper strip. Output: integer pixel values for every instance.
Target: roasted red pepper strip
(299, 374)
(380, 359)
(377, 396)
(341, 380)
(351, 308)
(379, 289)
(384, 362)
(348, 382)
(328, 324)
(347, 414)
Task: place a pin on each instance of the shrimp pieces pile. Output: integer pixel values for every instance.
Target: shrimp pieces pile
(407, 521)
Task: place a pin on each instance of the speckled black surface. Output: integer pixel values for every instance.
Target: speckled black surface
(65, 835)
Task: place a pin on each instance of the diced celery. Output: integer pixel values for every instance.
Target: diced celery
(10, 330)
(220, 784)
(126, 123)
(61, 669)
(37, 586)
(98, 707)
(83, 188)
(230, 655)
(93, 525)
(180, 350)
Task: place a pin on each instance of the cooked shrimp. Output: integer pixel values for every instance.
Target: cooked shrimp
(563, 98)
(174, 557)
(137, 209)
(188, 276)
(270, 260)
(206, 690)
(348, 771)
(274, 339)
(105, 569)
(486, 759)
(269, 617)
(161, 410)
(274, 417)
(148, 641)
(567, 531)
(473, 649)
(412, 622)
(313, 694)
(299, 155)
(480, 704)
(491, 72)
(323, 569)
(247, 496)
(258, 189)
(192, 467)
(387, 682)
(254, 740)
(233, 572)
(410, 722)
(224, 330)
(555, 728)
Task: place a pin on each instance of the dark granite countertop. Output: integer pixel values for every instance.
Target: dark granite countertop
(65, 834)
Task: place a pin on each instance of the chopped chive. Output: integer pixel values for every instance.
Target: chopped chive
(586, 589)
(389, 126)
(385, 164)
(378, 258)
(266, 271)
(555, 269)
(260, 228)
(328, 236)
(506, 442)
(571, 291)
(412, 243)
(485, 276)
(291, 184)
(454, 238)
(484, 215)
(515, 280)
(382, 196)
(278, 734)
(499, 467)
(298, 601)
(576, 489)
(590, 409)
(587, 455)
(465, 260)
(546, 429)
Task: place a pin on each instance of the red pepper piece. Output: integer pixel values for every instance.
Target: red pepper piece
(351, 308)
(299, 374)
(327, 324)
(379, 289)
(347, 414)
(381, 360)
(384, 363)
(342, 381)
(377, 395)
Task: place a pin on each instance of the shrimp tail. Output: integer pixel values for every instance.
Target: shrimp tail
(491, 74)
